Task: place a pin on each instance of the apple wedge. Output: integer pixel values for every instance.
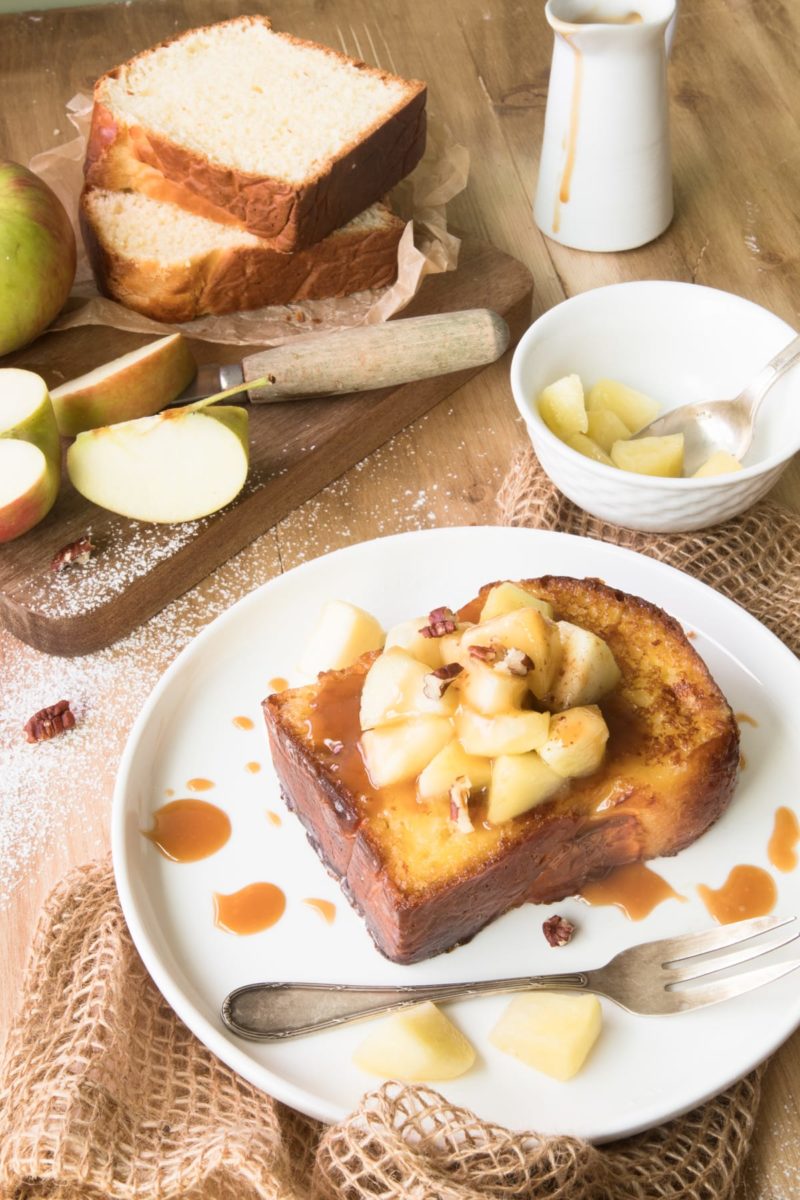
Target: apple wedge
(135, 385)
(28, 487)
(177, 466)
(26, 413)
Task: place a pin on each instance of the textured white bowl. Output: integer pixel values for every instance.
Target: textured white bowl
(680, 344)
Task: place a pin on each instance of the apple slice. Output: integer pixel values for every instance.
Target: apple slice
(551, 1032)
(28, 487)
(576, 742)
(450, 764)
(395, 689)
(562, 406)
(633, 408)
(520, 782)
(490, 691)
(528, 630)
(135, 385)
(343, 633)
(395, 753)
(420, 1043)
(506, 733)
(407, 636)
(26, 412)
(588, 669)
(505, 597)
(588, 448)
(177, 466)
(720, 463)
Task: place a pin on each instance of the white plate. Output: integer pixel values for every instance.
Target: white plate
(643, 1070)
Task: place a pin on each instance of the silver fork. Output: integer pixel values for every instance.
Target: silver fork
(642, 979)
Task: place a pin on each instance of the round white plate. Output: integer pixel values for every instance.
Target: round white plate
(643, 1070)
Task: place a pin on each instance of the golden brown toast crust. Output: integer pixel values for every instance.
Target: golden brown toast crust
(292, 216)
(422, 887)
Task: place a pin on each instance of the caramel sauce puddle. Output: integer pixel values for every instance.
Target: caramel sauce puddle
(781, 848)
(250, 910)
(199, 784)
(634, 888)
(187, 830)
(747, 892)
(278, 684)
(244, 722)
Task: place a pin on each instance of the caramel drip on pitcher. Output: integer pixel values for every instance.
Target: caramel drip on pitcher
(747, 892)
(594, 17)
(572, 134)
(634, 888)
(785, 836)
(187, 830)
(250, 910)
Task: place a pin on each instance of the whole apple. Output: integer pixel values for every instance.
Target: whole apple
(37, 256)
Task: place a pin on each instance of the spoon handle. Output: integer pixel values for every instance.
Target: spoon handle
(771, 373)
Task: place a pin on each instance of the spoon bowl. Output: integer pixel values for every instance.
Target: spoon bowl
(723, 424)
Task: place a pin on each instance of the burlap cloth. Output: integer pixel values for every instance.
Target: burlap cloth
(105, 1093)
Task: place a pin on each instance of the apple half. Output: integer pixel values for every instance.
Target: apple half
(176, 466)
(28, 487)
(26, 413)
(137, 384)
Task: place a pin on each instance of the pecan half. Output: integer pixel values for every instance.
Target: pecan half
(436, 684)
(558, 930)
(76, 552)
(440, 622)
(50, 722)
(485, 654)
(459, 805)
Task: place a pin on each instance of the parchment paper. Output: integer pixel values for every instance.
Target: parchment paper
(425, 248)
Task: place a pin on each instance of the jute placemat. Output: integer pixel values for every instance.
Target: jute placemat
(104, 1093)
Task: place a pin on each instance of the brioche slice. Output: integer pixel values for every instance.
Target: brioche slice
(291, 138)
(423, 885)
(174, 266)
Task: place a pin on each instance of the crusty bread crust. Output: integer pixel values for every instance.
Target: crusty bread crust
(669, 774)
(293, 216)
(244, 277)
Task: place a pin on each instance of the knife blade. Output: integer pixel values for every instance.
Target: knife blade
(360, 359)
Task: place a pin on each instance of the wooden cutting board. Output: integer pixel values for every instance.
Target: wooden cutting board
(296, 449)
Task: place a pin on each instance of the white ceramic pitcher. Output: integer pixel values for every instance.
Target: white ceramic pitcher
(605, 178)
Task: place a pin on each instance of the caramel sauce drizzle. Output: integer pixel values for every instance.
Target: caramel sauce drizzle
(199, 784)
(188, 830)
(747, 892)
(278, 684)
(273, 817)
(244, 723)
(572, 135)
(743, 718)
(250, 910)
(325, 908)
(781, 848)
(634, 888)
(594, 17)
(742, 761)
(252, 767)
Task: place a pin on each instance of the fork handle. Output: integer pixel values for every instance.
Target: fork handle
(271, 1012)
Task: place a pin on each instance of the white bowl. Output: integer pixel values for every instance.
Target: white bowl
(680, 344)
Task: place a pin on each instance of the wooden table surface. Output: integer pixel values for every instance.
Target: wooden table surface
(734, 113)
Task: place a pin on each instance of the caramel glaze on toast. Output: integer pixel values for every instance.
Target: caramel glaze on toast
(421, 885)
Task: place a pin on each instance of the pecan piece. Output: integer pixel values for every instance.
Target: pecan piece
(440, 622)
(50, 722)
(459, 805)
(76, 552)
(485, 654)
(436, 684)
(514, 662)
(557, 930)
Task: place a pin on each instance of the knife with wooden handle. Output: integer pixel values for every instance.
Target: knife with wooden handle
(360, 359)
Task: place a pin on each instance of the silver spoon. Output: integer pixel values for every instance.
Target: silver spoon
(722, 424)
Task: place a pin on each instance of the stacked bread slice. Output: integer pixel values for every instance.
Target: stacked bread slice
(235, 167)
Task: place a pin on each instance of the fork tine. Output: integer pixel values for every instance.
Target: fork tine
(726, 989)
(709, 966)
(678, 948)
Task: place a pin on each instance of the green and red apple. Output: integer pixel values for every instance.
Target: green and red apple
(37, 256)
(137, 384)
(30, 452)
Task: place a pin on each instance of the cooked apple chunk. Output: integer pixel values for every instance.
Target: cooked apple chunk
(395, 753)
(420, 1043)
(408, 637)
(562, 406)
(528, 630)
(576, 742)
(395, 689)
(341, 635)
(506, 597)
(552, 1032)
(450, 764)
(720, 463)
(633, 408)
(661, 456)
(519, 782)
(506, 733)
(605, 428)
(489, 690)
(589, 449)
(588, 669)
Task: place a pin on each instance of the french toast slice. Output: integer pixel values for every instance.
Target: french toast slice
(420, 884)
